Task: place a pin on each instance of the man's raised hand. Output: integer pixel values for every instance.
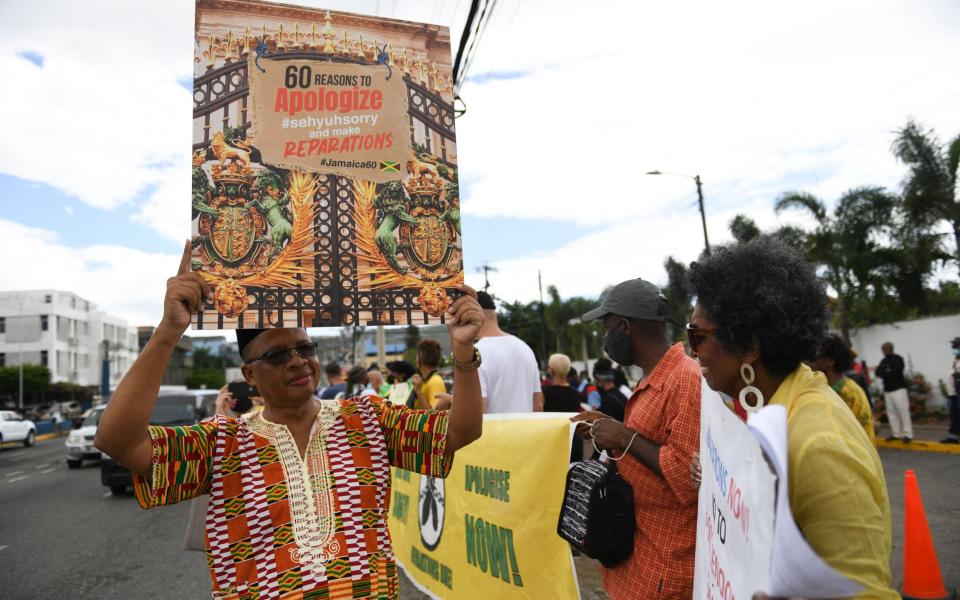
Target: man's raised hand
(464, 319)
(185, 294)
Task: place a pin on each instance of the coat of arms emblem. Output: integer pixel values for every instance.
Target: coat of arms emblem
(252, 223)
(415, 229)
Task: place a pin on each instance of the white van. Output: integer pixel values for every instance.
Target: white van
(80, 441)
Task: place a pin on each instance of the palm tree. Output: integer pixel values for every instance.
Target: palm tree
(744, 229)
(522, 319)
(908, 265)
(930, 193)
(565, 332)
(678, 292)
(583, 340)
(557, 315)
(845, 244)
(679, 297)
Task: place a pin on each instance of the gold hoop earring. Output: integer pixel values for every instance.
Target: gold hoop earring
(747, 374)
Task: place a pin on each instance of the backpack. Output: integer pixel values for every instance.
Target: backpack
(597, 515)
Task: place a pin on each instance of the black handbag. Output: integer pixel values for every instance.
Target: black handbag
(597, 513)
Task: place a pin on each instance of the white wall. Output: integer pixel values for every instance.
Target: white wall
(924, 345)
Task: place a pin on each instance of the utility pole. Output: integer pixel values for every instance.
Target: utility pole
(703, 215)
(381, 346)
(20, 352)
(105, 371)
(359, 346)
(353, 345)
(543, 323)
(486, 268)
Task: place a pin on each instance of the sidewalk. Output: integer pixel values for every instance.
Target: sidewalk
(589, 578)
(49, 436)
(926, 438)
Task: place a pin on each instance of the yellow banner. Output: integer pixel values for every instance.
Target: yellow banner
(490, 528)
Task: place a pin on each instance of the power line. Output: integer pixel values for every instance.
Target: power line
(453, 13)
(471, 15)
(513, 16)
(481, 29)
(485, 17)
(476, 36)
(473, 30)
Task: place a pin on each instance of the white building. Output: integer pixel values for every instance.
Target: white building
(64, 333)
(924, 345)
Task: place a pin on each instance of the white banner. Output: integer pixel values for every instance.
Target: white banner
(736, 507)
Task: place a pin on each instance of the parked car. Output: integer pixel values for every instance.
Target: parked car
(80, 441)
(206, 402)
(175, 408)
(14, 428)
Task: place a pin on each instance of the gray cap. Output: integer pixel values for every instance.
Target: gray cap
(635, 299)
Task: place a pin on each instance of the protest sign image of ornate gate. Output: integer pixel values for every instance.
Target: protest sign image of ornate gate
(342, 282)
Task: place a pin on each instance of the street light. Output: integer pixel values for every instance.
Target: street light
(703, 216)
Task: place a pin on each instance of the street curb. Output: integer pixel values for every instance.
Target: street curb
(40, 438)
(920, 446)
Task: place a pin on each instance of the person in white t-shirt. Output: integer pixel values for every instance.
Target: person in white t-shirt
(509, 375)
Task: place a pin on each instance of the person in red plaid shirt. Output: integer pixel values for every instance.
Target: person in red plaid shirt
(659, 435)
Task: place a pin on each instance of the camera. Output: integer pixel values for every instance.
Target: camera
(242, 392)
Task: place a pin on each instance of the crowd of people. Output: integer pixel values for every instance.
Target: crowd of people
(515, 385)
(758, 335)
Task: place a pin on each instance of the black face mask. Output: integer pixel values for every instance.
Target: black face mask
(390, 379)
(617, 346)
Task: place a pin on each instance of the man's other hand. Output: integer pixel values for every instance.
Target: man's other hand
(585, 420)
(464, 319)
(185, 294)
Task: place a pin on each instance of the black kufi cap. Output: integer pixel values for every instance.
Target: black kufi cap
(245, 336)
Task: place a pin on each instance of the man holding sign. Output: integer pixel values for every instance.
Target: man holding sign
(660, 433)
(298, 492)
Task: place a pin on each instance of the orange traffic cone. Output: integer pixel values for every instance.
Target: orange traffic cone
(921, 571)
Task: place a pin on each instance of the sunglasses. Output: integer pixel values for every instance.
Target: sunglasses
(280, 356)
(696, 335)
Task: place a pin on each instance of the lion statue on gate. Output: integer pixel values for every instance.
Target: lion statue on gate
(234, 151)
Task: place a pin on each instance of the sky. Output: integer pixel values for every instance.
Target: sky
(569, 105)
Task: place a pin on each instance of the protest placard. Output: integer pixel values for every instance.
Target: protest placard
(735, 515)
(489, 529)
(325, 188)
(331, 118)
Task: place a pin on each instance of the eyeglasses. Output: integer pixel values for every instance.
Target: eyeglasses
(280, 356)
(696, 335)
